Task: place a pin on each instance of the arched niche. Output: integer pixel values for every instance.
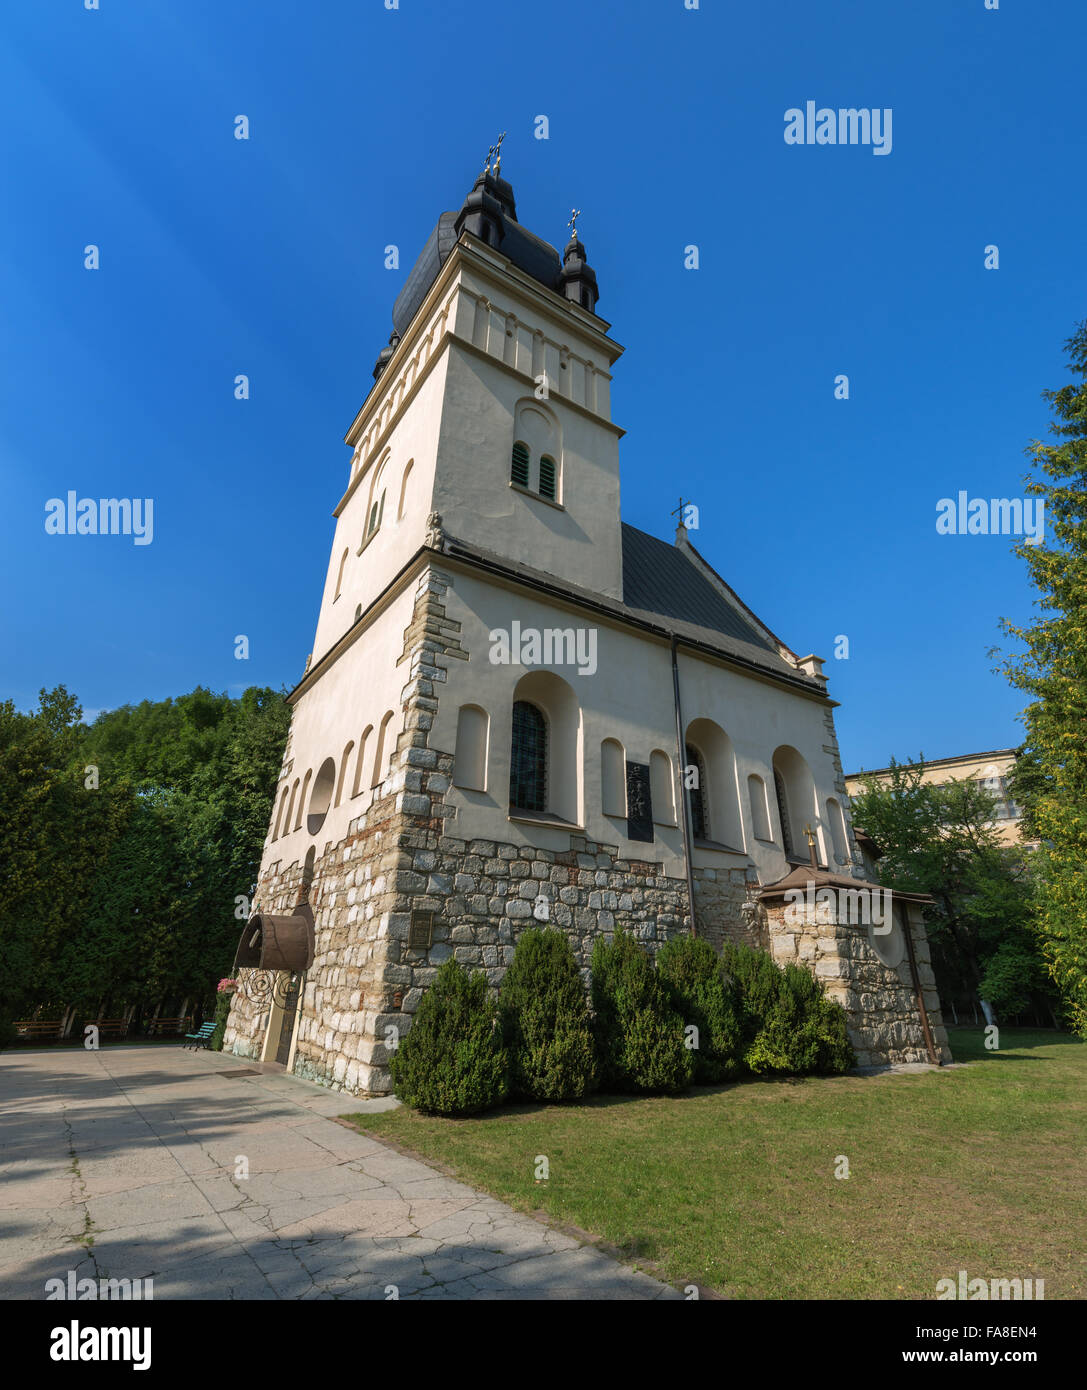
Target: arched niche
(557, 702)
(720, 794)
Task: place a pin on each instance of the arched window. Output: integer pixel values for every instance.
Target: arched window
(360, 776)
(548, 477)
(470, 757)
(787, 841)
(536, 461)
(613, 778)
(377, 511)
(661, 788)
(343, 771)
(695, 777)
(302, 800)
(528, 759)
(375, 508)
(381, 754)
(760, 816)
(339, 576)
(404, 489)
(519, 465)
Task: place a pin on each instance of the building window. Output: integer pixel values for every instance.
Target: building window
(548, 477)
(528, 759)
(519, 465)
(696, 792)
(377, 511)
(783, 813)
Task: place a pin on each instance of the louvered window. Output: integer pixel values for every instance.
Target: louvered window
(547, 477)
(519, 465)
(528, 759)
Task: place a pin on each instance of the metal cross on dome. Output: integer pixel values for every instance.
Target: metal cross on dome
(575, 213)
(495, 153)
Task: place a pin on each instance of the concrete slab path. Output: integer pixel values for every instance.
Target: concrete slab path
(123, 1164)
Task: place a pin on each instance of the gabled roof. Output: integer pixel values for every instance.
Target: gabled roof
(677, 590)
(659, 578)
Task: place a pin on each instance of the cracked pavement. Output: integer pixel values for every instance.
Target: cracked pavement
(123, 1164)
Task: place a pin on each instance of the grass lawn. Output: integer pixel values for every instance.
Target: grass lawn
(980, 1168)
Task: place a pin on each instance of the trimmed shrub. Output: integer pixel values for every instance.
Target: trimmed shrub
(639, 1036)
(787, 1024)
(545, 1020)
(222, 1013)
(702, 996)
(452, 1060)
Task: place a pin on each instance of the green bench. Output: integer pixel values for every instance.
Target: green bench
(201, 1037)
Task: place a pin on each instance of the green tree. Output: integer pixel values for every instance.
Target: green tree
(787, 1024)
(639, 1035)
(545, 1020)
(123, 846)
(452, 1060)
(688, 966)
(1052, 669)
(942, 840)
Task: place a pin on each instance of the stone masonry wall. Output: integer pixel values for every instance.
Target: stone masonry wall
(879, 1001)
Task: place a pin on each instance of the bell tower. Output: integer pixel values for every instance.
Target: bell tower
(491, 407)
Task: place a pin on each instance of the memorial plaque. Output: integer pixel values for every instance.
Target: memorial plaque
(421, 931)
(639, 802)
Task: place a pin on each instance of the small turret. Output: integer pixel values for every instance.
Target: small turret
(577, 279)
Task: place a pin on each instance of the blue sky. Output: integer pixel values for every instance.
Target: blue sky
(265, 257)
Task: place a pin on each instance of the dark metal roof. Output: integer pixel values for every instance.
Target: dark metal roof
(527, 251)
(659, 578)
(425, 271)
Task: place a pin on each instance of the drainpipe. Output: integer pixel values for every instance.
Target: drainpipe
(681, 747)
(908, 933)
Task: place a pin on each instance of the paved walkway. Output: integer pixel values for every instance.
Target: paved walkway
(121, 1164)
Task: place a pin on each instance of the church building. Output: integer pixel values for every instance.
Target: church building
(521, 710)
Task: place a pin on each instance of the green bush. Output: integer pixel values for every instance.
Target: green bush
(452, 1060)
(222, 1013)
(702, 996)
(545, 1020)
(787, 1025)
(639, 1036)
